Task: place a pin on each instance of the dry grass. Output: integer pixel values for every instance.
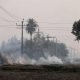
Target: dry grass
(46, 72)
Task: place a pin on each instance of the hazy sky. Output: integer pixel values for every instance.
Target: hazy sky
(44, 12)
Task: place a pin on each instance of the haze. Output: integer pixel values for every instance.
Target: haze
(44, 12)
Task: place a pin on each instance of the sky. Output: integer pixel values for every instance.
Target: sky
(46, 13)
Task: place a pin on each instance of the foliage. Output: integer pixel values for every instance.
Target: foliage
(76, 30)
(31, 26)
(44, 48)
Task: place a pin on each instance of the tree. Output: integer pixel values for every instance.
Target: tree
(76, 30)
(31, 27)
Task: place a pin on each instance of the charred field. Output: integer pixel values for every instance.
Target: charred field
(40, 72)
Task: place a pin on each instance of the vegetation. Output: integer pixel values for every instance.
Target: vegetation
(42, 68)
(76, 30)
(31, 27)
(37, 72)
(43, 47)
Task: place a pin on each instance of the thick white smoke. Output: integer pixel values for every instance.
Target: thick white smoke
(49, 60)
(11, 51)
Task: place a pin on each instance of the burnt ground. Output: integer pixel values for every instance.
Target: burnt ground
(46, 72)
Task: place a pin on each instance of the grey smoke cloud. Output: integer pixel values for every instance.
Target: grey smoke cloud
(11, 52)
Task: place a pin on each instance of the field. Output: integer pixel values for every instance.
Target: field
(36, 72)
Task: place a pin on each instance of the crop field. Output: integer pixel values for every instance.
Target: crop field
(37, 72)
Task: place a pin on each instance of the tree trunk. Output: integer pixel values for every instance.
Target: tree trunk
(31, 40)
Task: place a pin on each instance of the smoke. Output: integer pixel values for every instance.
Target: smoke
(49, 60)
(11, 53)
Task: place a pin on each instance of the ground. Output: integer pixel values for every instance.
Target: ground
(29, 72)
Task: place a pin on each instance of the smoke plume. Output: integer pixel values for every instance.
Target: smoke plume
(43, 52)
